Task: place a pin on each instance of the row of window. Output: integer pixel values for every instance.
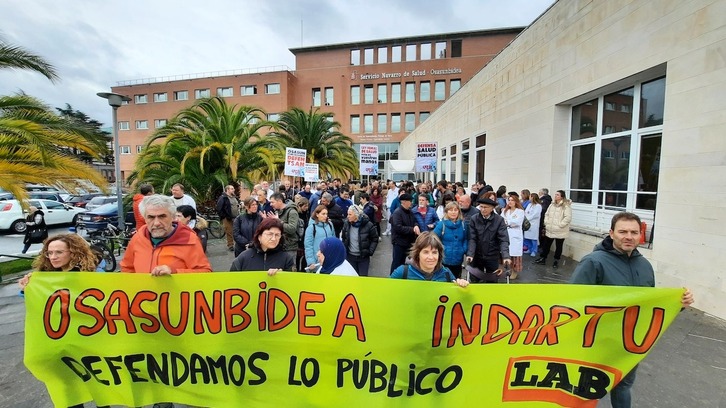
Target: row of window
(381, 92)
(413, 52)
(382, 122)
(245, 90)
(158, 123)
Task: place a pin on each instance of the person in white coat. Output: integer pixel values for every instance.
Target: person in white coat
(557, 227)
(513, 215)
(390, 196)
(533, 212)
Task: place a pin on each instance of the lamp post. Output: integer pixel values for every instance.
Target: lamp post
(116, 100)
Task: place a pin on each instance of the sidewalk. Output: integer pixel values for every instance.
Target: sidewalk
(687, 368)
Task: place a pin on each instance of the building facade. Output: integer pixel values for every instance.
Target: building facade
(620, 104)
(378, 91)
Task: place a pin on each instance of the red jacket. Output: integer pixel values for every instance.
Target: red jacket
(137, 213)
(182, 251)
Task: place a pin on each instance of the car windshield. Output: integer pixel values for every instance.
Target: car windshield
(110, 208)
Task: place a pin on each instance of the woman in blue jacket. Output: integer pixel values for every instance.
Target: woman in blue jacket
(425, 216)
(455, 237)
(318, 229)
(427, 255)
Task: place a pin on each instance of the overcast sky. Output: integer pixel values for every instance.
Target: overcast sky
(95, 43)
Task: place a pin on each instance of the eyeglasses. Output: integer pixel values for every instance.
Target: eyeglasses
(51, 254)
(271, 235)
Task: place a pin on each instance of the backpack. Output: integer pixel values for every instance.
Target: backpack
(526, 225)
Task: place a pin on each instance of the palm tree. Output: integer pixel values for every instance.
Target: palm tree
(207, 146)
(319, 136)
(33, 140)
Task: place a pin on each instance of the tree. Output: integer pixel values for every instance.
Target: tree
(34, 145)
(319, 136)
(33, 139)
(205, 147)
(99, 139)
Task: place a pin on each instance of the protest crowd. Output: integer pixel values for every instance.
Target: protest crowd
(439, 232)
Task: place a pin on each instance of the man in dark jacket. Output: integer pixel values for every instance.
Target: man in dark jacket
(335, 213)
(287, 213)
(228, 210)
(404, 230)
(488, 241)
(546, 200)
(616, 261)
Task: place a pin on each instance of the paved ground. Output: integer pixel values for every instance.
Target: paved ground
(687, 368)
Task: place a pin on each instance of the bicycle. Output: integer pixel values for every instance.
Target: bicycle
(107, 241)
(214, 226)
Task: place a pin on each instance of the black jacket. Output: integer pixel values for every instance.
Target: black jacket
(224, 207)
(243, 229)
(546, 201)
(402, 223)
(335, 215)
(254, 259)
(367, 236)
(488, 239)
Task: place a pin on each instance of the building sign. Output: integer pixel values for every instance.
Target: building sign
(404, 74)
(312, 173)
(368, 160)
(427, 155)
(295, 161)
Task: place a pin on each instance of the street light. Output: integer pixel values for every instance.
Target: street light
(116, 100)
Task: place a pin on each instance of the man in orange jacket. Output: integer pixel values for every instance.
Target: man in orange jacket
(163, 247)
(144, 190)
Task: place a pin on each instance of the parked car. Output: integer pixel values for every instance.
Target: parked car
(35, 195)
(80, 200)
(12, 216)
(99, 201)
(99, 217)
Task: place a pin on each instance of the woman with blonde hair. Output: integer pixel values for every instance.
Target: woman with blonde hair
(63, 253)
(454, 235)
(513, 215)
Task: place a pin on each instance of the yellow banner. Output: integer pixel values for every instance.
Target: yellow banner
(246, 339)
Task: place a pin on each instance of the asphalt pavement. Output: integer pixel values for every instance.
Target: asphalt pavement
(686, 368)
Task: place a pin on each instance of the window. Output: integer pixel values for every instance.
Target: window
(396, 53)
(410, 92)
(441, 50)
(439, 90)
(425, 51)
(140, 99)
(395, 122)
(181, 95)
(411, 52)
(273, 117)
(382, 55)
(316, 96)
(454, 86)
(124, 125)
(271, 89)
(159, 123)
(355, 124)
(455, 48)
(225, 92)
(395, 93)
(382, 125)
(410, 121)
(368, 56)
(423, 116)
(329, 96)
(139, 148)
(142, 124)
(481, 144)
(465, 162)
(354, 57)
(368, 124)
(616, 166)
(368, 94)
(382, 93)
(425, 91)
(248, 90)
(355, 95)
(125, 149)
(160, 97)
(201, 93)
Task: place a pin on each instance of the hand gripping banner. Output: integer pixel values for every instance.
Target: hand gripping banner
(247, 339)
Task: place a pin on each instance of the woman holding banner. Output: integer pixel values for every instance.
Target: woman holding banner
(265, 252)
(426, 262)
